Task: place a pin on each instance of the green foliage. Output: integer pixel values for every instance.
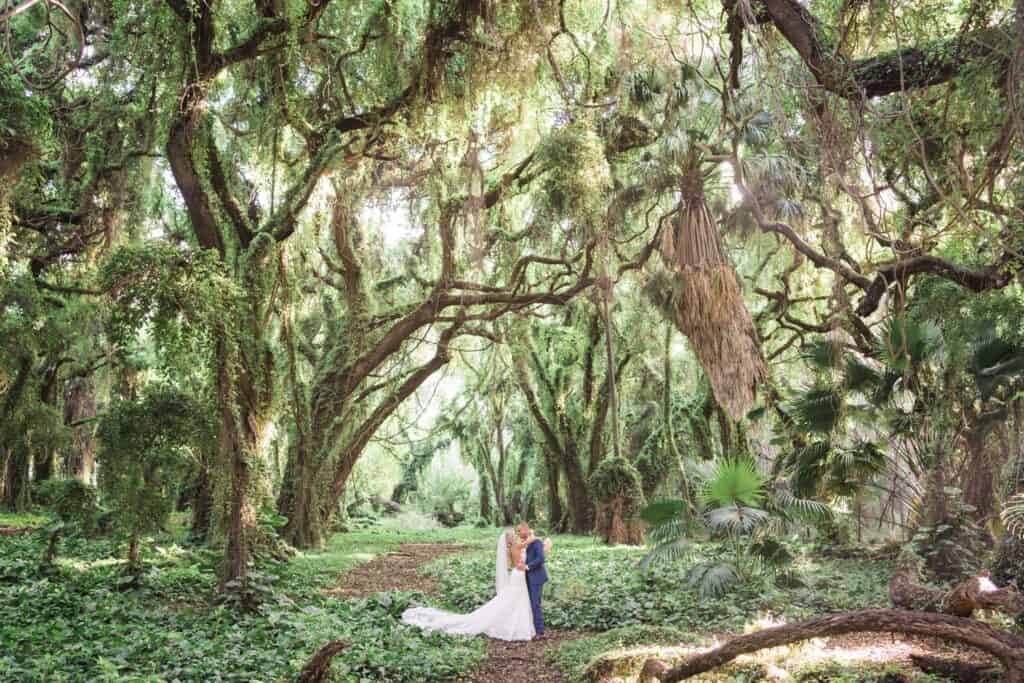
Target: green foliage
(184, 295)
(80, 625)
(145, 446)
(446, 493)
(733, 483)
(73, 502)
(738, 504)
(598, 588)
(817, 410)
(579, 175)
(617, 479)
(575, 657)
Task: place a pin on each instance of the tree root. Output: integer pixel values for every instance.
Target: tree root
(1004, 646)
(319, 667)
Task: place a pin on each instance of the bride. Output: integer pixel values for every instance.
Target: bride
(506, 617)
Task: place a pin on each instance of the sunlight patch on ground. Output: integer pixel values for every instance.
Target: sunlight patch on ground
(83, 566)
(22, 520)
(858, 651)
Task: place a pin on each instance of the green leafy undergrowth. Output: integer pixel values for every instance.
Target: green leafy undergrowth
(87, 622)
(830, 672)
(574, 657)
(596, 588)
(23, 520)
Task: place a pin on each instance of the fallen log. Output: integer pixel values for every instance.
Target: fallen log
(318, 668)
(385, 505)
(973, 594)
(1002, 645)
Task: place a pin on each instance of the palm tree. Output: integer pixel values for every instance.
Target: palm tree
(738, 504)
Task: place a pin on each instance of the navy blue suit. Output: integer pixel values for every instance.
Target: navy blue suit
(536, 576)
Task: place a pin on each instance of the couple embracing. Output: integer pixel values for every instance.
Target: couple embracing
(515, 611)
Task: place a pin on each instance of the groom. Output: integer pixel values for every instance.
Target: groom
(536, 575)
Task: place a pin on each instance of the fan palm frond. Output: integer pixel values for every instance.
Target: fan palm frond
(859, 375)
(792, 507)
(666, 552)
(771, 553)
(663, 511)
(735, 482)
(889, 381)
(735, 518)
(712, 578)
(906, 342)
(823, 353)
(863, 460)
(757, 132)
(818, 409)
(808, 465)
(669, 530)
(1013, 515)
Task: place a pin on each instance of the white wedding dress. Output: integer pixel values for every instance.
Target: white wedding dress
(506, 617)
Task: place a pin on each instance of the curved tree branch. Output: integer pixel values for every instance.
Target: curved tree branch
(1004, 646)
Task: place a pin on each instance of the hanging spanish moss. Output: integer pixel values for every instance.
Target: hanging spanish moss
(703, 298)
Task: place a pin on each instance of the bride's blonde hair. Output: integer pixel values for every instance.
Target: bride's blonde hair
(510, 547)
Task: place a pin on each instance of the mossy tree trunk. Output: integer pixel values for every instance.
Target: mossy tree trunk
(79, 411)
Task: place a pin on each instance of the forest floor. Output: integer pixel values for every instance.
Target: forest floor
(77, 621)
(401, 570)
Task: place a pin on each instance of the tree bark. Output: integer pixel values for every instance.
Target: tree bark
(17, 495)
(202, 504)
(485, 499)
(953, 670)
(556, 515)
(79, 410)
(910, 68)
(975, 593)
(319, 667)
(306, 521)
(1004, 646)
(133, 550)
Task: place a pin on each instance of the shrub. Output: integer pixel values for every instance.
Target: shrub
(74, 505)
(144, 449)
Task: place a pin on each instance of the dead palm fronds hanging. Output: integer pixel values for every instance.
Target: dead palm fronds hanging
(703, 298)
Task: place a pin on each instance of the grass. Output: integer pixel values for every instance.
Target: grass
(22, 520)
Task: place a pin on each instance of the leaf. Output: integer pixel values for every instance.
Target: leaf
(1013, 515)
(662, 511)
(735, 518)
(712, 579)
(734, 482)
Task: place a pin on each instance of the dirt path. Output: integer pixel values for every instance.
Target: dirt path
(399, 570)
(394, 571)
